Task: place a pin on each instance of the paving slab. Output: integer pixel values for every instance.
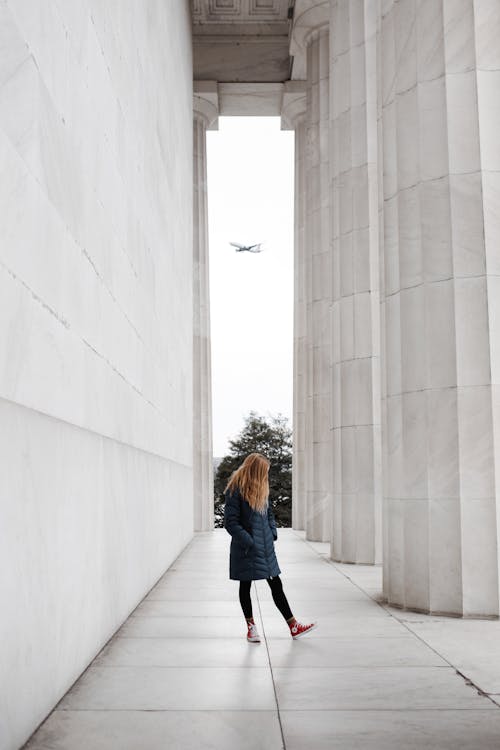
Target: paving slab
(332, 608)
(391, 730)
(163, 608)
(182, 652)
(172, 688)
(345, 651)
(191, 593)
(368, 688)
(329, 594)
(332, 627)
(159, 730)
(179, 627)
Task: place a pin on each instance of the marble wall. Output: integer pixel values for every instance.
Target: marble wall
(95, 330)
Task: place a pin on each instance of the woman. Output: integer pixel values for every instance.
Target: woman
(250, 521)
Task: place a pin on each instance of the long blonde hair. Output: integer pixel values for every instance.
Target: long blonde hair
(251, 479)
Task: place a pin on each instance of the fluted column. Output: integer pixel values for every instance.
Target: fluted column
(293, 117)
(357, 469)
(441, 119)
(311, 34)
(204, 116)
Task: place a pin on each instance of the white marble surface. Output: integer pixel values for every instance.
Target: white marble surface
(250, 99)
(293, 117)
(428, 107)
(246, 58)
(440, 439)
(240, 40)
(96, 330)
(318, 280)
(401, 156)
(357, 510)
(309, 17)
(366, 677)
(487, 19)
(203, 479)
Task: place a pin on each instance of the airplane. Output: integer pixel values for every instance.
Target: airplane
(249, 248)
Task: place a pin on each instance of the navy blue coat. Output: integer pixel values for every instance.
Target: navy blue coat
(252, 554)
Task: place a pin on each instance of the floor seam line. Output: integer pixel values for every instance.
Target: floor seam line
(271, 670)
(270, 711)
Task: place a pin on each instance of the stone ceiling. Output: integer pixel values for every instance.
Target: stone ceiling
(241, 40)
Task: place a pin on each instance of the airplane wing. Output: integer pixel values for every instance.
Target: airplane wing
(255, 248)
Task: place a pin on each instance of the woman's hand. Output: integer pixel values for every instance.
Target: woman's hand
(232, 521)
(272, 522)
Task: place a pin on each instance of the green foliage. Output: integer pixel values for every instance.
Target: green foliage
(273, 438)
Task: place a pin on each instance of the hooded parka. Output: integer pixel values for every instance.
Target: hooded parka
(252, 554)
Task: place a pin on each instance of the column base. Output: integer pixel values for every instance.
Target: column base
(438, 613)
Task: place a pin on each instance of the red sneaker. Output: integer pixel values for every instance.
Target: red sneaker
(298, 629)
(253, 634)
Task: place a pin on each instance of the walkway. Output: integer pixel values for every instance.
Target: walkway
(180, 675)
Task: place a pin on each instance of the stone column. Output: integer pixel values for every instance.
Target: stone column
(293, 117)
(441, 119)
(357, 469)
(310, 35)
(205, 111)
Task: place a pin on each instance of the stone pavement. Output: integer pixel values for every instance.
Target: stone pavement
(180, 674)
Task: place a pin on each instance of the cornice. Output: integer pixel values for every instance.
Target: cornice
(206, 103)
(311, 20)
(293, 108)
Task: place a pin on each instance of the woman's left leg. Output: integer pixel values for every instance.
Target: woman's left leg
(246, 605)
(245, 600)
(279, 597)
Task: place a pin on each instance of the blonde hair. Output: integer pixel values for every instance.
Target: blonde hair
(251, 479)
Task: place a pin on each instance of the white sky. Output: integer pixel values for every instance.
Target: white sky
(250, 199)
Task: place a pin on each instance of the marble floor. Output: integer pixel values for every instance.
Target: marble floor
(179, 673)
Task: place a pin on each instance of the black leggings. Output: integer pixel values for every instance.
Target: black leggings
(278, 596)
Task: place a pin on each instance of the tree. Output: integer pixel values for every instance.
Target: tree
(273, 438)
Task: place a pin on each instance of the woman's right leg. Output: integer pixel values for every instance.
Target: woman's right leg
(296, 628)
(245, 600)
(279, 597)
